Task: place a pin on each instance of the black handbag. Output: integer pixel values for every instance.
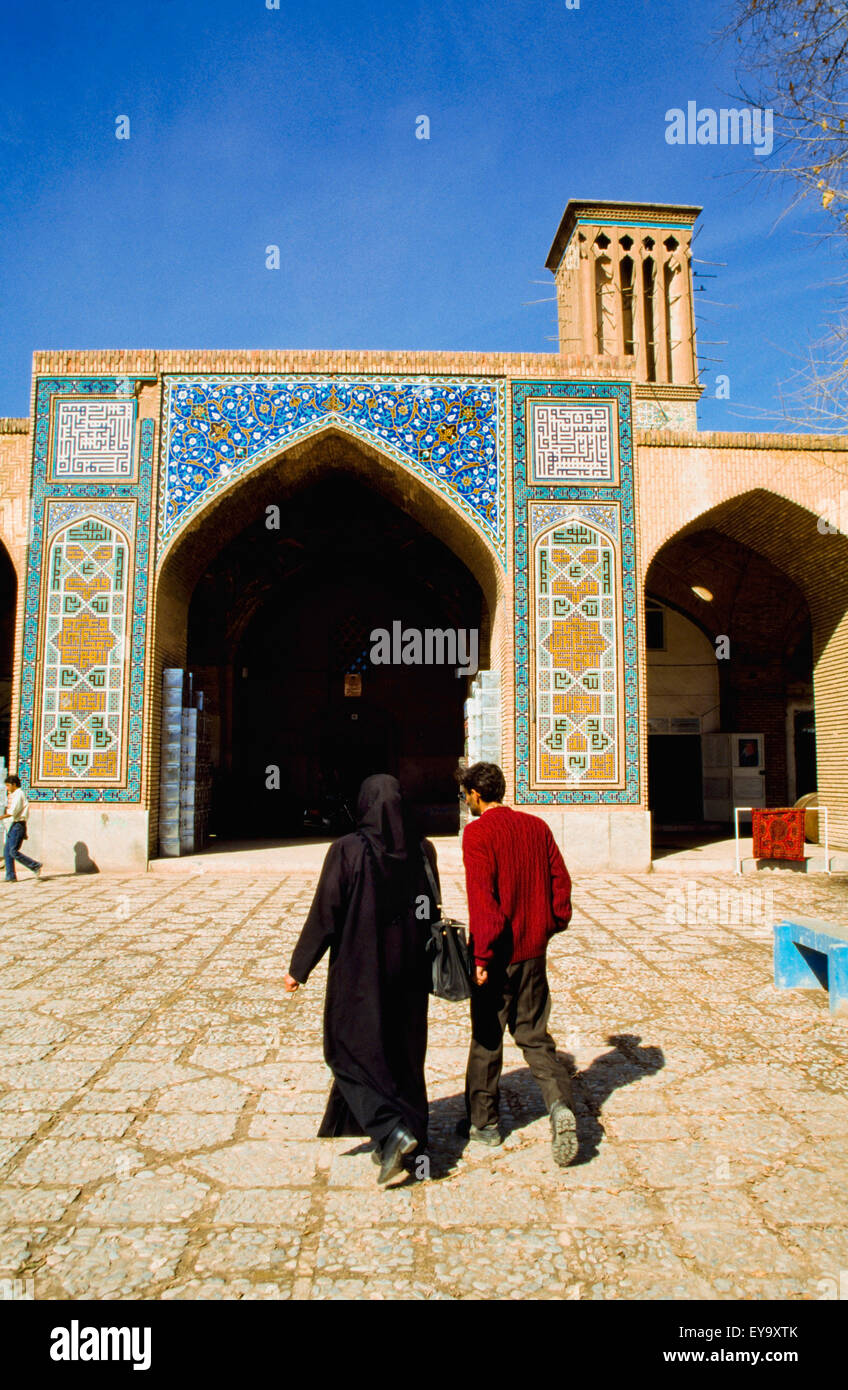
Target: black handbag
(451, 965)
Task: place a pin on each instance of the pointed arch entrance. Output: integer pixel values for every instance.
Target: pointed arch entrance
(270, 597)
(750, 599)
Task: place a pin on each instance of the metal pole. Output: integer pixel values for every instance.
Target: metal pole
(736, 811)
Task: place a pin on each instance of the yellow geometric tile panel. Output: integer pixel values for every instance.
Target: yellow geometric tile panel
(576, 654)
(83, 700)
(82, 683)
(575, 593)
(85, 641)
(575, 644)
(577, 702)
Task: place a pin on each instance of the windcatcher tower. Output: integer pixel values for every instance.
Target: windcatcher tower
(623, 275)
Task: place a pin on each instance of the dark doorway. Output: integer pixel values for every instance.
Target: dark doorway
(758, 623)
(8, 604)
(280, 642)
(675, 779)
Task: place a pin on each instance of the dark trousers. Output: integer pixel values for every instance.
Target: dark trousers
(516, 997)
(12, 851)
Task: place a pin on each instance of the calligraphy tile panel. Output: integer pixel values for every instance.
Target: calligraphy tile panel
(93, 439)
(573, 442)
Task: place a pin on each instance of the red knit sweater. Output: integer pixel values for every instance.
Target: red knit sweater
(519, 890)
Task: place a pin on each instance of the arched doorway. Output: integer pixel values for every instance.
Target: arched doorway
(273, 597)
(732, 644)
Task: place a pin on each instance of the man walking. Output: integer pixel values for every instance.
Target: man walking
(17, 807)
(519, 894)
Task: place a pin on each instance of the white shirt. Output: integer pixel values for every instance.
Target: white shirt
(17, 805)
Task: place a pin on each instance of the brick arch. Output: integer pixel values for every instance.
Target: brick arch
(683, 478)
(751, 595)
(784, 534)
(798, 566)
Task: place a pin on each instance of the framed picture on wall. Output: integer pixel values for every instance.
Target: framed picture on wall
(748, 754)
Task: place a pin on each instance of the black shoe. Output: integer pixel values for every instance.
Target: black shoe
(564, 1140)
(489, 1135)
(399, 1143)
(376, 1156)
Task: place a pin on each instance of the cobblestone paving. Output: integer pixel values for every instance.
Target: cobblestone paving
(159, 1097)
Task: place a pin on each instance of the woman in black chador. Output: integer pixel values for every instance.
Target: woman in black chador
(371, 908)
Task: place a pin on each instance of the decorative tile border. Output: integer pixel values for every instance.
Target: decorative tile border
(597, 504)
(575, 646)
(544, 515)
(73, 500)
(120, 514)
(449, 431)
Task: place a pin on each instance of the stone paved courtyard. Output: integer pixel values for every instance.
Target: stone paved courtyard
(159, 1097)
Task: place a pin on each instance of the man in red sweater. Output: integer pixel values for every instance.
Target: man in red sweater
(519, 894)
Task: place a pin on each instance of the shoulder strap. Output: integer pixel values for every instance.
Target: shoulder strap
(431, 878)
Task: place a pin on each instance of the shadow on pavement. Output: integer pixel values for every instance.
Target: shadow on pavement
(521, 1103)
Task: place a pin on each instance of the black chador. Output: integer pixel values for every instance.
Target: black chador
(371, 909)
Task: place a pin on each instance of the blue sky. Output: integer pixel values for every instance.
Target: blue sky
(296, 127)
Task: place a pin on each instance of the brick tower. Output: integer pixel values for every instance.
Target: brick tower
(623, 274)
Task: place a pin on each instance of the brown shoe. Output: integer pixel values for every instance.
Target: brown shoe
(564, 1141)
(489, 1135)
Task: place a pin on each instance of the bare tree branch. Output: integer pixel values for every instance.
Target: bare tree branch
(795, 55)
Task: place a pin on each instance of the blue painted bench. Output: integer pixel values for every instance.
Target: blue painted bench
(810, 953)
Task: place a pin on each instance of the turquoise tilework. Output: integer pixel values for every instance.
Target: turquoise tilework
(523, 490)
(43, 488)
(449, 431)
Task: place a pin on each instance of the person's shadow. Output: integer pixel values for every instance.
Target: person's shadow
(521, 1102)
(83, 862)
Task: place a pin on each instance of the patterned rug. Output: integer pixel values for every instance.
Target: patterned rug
(779, 834)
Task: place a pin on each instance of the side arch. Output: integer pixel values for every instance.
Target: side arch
(809, 567)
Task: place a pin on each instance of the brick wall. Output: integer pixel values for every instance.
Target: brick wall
(153, 362)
